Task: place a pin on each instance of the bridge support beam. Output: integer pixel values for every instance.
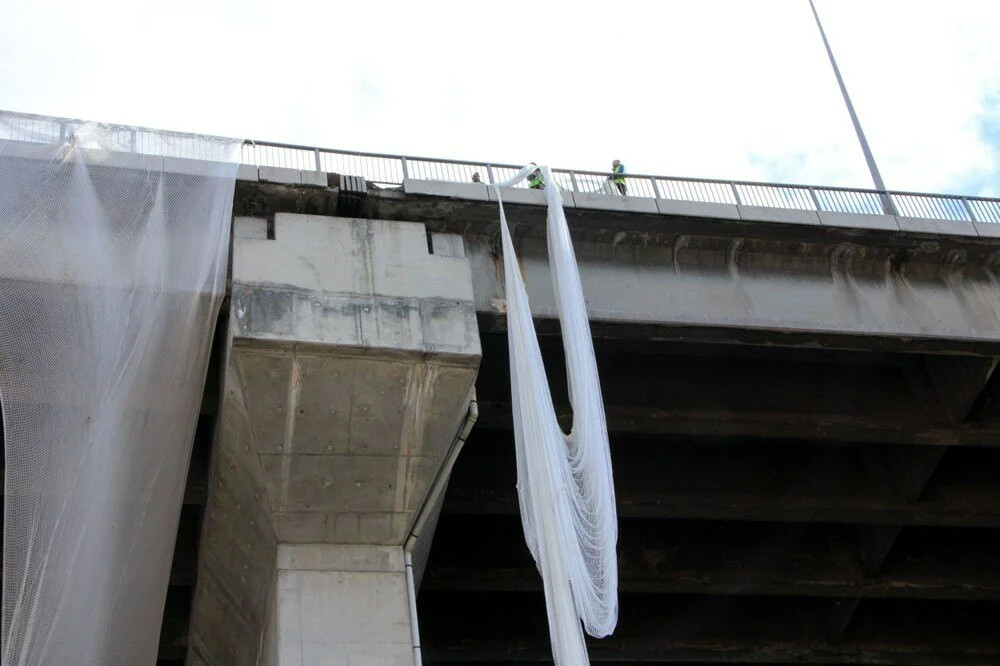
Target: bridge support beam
(352, 353)
(959, 382)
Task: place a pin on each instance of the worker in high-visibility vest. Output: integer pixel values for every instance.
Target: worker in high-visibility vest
(535, 181)
(618, 176)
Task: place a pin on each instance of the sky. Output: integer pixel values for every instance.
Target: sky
(729, 89)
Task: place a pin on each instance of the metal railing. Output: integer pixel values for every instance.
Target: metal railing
(392, 170)
(31, 128)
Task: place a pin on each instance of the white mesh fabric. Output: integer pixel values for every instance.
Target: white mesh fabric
(112, 270)
(564, 482)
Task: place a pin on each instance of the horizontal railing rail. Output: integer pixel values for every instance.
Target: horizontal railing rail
(392, 170)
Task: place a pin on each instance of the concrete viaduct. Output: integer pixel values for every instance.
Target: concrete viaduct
(801, 404)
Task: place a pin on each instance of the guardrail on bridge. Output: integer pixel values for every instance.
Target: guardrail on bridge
(390, 170)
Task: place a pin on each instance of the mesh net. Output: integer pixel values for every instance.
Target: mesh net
(564, 482)
(112, 270)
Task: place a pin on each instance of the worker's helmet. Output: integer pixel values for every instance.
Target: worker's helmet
(616, 163)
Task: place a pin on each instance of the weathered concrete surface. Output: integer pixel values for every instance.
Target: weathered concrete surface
(444, 189)
(845, 289)
(697, 209)
(388, 291)
(611, 202)
(236, 557)
(247, 172)
(832, 278)
(314, 178)
(767, 214)
(352, 355)
(339, 605)
(857, 221)
(283, 175)
(987, 229)
(249, 227)
(930, 226)
(615, 202)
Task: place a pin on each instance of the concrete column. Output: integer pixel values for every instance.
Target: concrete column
(338, 605)
(353, 349)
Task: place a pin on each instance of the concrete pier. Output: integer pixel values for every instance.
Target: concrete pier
(339, 605)
(351, 357)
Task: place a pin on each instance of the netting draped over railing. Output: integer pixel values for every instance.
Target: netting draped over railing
(564, 482)
(112, 270)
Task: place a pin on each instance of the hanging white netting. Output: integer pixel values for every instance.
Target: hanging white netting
(564, 481)
(112, 270)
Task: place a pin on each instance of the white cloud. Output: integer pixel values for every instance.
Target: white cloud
(715, 88)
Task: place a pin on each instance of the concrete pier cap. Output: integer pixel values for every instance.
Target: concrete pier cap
(351, 359)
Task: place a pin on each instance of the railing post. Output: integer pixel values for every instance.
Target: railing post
(656, 188)
(736, 193)
(968, 209)
(812, 193)
(316, 157)
(406, 169)
(62, 131)
(572, 179)
(489, 174)
(131, 140)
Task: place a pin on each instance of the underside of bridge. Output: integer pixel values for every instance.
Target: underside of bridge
(784, 496)
(776, 505)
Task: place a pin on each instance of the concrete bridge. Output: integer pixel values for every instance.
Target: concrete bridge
(799, 389)
(805, 370)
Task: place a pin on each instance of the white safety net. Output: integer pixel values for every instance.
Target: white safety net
(112, 271)
(564, 482)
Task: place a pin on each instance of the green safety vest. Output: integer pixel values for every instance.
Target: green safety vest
(536, 182)
(619, 177)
